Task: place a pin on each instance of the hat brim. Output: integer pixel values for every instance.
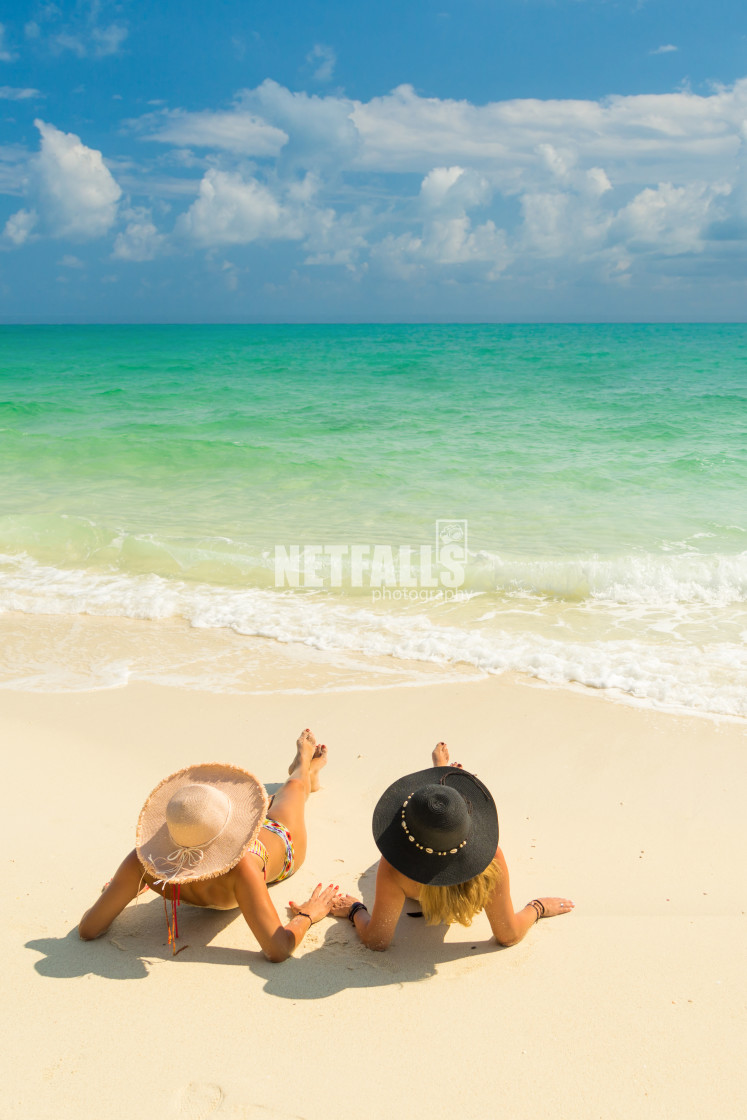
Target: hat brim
(435, 870)
(248, 798)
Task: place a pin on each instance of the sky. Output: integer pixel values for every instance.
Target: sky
(321, 161)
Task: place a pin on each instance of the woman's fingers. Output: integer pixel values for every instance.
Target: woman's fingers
(341, 904)
(321, 900)
(555, 906)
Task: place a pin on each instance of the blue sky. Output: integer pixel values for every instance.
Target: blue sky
(219, 161)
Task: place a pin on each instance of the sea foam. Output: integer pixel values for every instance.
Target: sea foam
(648, 664)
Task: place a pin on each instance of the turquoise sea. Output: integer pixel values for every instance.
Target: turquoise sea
(598, 475)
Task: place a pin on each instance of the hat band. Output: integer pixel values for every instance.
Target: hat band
(422, 847)
(184, 856)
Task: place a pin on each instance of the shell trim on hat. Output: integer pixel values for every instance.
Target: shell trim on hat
(431, 844)
(422, 847)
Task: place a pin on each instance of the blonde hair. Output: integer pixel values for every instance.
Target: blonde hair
(460, 902)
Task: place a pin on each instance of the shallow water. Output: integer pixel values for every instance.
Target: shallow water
(153, 472)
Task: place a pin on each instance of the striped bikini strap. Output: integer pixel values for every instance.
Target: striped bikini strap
(257, 848)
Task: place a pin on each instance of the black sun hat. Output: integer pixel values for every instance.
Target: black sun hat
(437, 826)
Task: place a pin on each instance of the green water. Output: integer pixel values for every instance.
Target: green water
(593, 464)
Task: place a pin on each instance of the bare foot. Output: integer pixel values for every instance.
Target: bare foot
(318, 759)
(440, 756)
(305, 745)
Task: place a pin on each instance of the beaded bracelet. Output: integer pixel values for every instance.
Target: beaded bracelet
(539, 908)
(301, 914)
(354, 910)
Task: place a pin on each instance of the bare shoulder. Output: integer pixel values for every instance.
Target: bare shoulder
(130, 866)
(247, 876)
(391, 879)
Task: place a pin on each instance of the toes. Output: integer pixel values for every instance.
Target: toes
(319, 758)
(441, 752)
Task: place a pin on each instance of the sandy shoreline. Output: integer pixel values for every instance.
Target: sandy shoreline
(633, 1006)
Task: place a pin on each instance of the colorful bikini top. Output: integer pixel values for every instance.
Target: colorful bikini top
(257, 848)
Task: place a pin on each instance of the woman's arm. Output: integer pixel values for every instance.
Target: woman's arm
(113, 899)
(509, 925)
(376, 930)
(277, 941)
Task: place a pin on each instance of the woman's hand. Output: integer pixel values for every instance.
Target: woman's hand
(341, 907)
(320, 903)
(555, 906)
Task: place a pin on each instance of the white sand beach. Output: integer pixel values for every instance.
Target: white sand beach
(631, 1007)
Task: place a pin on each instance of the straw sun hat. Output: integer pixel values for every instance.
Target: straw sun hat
(199, 822)
(437, 826)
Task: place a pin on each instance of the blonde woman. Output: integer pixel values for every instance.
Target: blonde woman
(437, 831)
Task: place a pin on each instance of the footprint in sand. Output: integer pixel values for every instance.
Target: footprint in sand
(196, 1100)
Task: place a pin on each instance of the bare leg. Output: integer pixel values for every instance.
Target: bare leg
(289, 803)
(440, 756)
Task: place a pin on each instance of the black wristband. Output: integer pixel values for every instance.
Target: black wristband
(302, 914)
(354, 910)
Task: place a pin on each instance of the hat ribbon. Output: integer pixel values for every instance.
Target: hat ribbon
(177, 861)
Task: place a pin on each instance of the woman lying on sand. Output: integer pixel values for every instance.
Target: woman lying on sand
(437, 831)
(204, 837)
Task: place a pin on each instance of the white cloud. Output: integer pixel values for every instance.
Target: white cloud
(667, 48)
(442, 243)
(70, 261)
(233, 210)
(638, 140)
(455, 189)
(670, 219)
(6, 55)
(13, 169)
(320, 130)
(643, 137)
(82, 30)
(240, 132)
(597, 182)
(595, 189)
(322, 57)
(335, 240)
(11, 93)
(108, 40)
(230, 275)
(560, 224)
(65, 41)
(447, 236)
(140, 240)
(454, 241)
(265, 122)
(19, 226)
(76, 194)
